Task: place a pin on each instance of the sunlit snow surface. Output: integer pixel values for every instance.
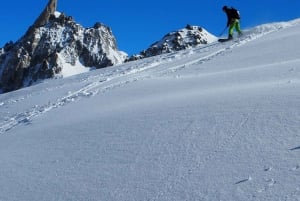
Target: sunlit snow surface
(217, 122)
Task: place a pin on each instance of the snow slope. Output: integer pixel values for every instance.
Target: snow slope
(219, 122)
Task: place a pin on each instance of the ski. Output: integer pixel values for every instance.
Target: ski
(224, 40)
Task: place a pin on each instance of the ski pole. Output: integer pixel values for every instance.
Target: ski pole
(223, 31)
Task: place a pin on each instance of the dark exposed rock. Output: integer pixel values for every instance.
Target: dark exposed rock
(44, 17)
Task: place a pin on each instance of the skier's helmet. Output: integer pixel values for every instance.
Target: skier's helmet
(225, 8)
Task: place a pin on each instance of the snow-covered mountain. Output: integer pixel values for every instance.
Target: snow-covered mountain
(55, 45)
(188, 37)
(210, 123)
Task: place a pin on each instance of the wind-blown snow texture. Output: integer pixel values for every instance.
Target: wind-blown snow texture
(219, 122)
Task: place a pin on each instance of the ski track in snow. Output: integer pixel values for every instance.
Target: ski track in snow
(133, 71)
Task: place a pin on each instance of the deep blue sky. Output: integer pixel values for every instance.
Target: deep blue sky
(138, 24)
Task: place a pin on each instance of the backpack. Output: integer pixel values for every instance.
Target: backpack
(235, 13)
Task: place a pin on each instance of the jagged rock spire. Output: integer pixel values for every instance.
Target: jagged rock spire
(43, 18)
(45, 15)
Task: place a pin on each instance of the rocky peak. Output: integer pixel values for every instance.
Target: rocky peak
(45, 15)
(53, 41)
(190, 36)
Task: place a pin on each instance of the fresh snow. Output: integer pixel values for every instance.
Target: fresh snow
(57, 14)
(70, 70)
(216, 122)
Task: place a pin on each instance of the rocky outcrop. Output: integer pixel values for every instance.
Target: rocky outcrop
(45, 15)
(54, 40)
(190, 36)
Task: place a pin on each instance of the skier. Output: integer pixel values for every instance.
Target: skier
(233, 21)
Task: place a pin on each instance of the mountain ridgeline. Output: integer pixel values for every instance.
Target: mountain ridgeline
(55, 40)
